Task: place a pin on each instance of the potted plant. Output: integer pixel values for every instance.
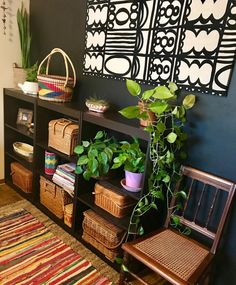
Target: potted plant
(167, 140)
(95, 157)
(97, 105)
(25, 45)
(30, 86)
(132, 158)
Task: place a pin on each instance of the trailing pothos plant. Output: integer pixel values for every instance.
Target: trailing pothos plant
(167, 140)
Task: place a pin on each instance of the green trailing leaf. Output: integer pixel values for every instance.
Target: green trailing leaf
(130, 112)
(78, 170)
(166, 179)
(124, 268)
(175, 220)
(161, 127)
(140, 231)
(189, 101)
(158, 107)
(171, 138)
(133, 87)
(181, 194)
(79, 149)
(173, 87)
(87, 175)
(163, 93)
(85, 143)
(147, 94)
(82, 160)
(99, 135)
(119, 260)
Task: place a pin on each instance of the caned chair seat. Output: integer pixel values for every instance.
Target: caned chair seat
(179, 256)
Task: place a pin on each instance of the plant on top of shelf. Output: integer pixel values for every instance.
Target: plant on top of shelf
(25, 36)
(132, 158)
(95, 157)
(96, 104)
(167, 140)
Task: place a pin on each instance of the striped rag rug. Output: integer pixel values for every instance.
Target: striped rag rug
(31, 254)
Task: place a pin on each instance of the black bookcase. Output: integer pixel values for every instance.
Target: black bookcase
(89, 123)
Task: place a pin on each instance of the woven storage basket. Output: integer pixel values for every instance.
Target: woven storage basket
(53, 197)
(110, 254)
(68, 212)
(111, 199)
(63, 135)
(103, 231)
(53, 87)
(21, 177)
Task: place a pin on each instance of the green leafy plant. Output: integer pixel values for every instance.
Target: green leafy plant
(131, 156)
(25, 36)
(95, 157)
(167, 141)
(32, 72)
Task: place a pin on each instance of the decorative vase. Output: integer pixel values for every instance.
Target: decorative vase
(50, 163)
(151, 115)
(19, 75)
(134, 180)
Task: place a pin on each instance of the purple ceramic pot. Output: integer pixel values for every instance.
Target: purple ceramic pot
(133, 180)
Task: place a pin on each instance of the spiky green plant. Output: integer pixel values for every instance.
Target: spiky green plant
(25, 36)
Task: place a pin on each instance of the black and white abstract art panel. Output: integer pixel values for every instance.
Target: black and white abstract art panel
(189, 42)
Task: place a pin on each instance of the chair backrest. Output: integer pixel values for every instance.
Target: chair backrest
(207, 204)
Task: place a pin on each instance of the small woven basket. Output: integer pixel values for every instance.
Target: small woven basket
(53, 87)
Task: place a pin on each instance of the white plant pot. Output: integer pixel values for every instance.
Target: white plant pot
(29, 87)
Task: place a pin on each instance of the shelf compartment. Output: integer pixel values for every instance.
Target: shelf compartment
(71, 158)
(88, 199)
(19, 95)
(21, 129)
(70, 109)
(27, 164)
(114, 121)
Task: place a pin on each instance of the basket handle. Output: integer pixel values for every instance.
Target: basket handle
(64, 127)
(66, 60)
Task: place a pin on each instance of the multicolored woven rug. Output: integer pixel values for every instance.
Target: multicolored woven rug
(31, 254)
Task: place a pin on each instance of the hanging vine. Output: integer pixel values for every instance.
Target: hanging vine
(167, 140)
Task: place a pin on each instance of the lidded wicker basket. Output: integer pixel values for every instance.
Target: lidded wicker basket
(54, 87)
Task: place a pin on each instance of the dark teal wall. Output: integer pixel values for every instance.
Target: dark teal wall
(212, 145)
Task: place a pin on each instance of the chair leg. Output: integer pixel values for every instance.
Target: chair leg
(123, 274)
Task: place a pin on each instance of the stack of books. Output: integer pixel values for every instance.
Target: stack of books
(65, 177)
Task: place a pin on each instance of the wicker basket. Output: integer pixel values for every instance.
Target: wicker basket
(53, 197)
(103, 231)
(21, 177)
(110, 254)
(112, 200)
(56, 88)
(68, 212)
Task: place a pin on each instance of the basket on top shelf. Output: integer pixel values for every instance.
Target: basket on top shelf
(54, 87)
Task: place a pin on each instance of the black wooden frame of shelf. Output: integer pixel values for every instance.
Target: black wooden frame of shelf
(27, 164)
(69, 109)
(115, 122)
(24, 133)
(19, 95)
(88, 200)
(71, 158)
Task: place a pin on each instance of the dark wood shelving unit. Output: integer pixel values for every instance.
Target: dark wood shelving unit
(89, 122)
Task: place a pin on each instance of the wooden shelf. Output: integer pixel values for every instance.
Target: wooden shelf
(68, 109)
(44, 145)
(114, 121)
(21, 129)
(19, 95)
(88, 199)
(27, 164)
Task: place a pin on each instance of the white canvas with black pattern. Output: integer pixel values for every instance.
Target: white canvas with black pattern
(189, 42)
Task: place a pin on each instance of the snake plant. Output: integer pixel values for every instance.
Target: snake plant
(25, 36)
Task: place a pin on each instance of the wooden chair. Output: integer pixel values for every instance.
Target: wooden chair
(178, 258)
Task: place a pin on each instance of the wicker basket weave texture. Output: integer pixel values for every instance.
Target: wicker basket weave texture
(21, 177)
(112, 200)
(53, 197)
(54, 87)
(103, 231)
(63, 135)
(109, 253)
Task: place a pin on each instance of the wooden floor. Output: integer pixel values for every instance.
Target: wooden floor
(8, 196)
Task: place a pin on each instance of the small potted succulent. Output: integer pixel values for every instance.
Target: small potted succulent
(132, 158)
(95, 157)
(97, 105)
(30, 86)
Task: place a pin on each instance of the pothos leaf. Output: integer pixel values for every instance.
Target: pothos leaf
(130, 112)
(189, 101)
(171, 138)
(133, 87)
